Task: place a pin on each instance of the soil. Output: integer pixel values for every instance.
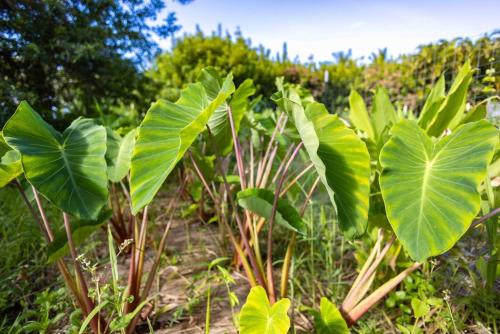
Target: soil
(182, 282)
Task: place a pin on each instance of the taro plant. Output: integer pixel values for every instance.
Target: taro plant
(416, 180)
(259, 164)
(70, 170)
(118, 159)
(426, 171)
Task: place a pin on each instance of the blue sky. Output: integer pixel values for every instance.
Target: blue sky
(323, 27)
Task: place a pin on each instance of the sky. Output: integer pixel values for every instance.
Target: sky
(321, 27)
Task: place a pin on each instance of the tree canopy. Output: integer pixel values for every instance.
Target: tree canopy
(73, 55)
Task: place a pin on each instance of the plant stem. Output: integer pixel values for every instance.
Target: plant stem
(367, 264)
(202, 178)
(149, 282)
(251, 165)
(260, 170)
(97, 322)
(126, 192)
(282, 164)
(285, 271)
(122, 231)
(241, 228)
(302, 173)
(270, 279)
(42, 213)
(361, 288)
(269, 159)
(68, 279)
(237, 150)
(357, 312)
(152, 273)
(32, 210)
(140, 258)
(131, 270)
(484, 218)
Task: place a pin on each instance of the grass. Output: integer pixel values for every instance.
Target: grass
(29, 290)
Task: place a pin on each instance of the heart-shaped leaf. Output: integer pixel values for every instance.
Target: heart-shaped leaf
(167, 131)
(329, 320)
(430, 189)
(119, 154)
(260, 201)
(69, 168)
(420, 308)
(340, 158)
(257, 316)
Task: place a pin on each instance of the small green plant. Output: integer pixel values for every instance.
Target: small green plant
(258, 316)
(44, 316)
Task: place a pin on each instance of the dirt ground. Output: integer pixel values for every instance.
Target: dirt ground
(181, 285)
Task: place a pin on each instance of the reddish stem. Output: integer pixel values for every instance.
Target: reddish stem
(241, 228)
(237, 150)
(97, 322)
(357, 312)
(270, 279)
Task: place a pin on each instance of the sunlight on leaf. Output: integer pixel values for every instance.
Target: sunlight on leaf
(69, 168)
(257, 316)
(430, 189)
(329, 320)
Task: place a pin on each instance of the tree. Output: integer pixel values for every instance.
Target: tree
(68, 56)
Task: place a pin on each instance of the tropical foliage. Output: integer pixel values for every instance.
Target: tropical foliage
(412, 180)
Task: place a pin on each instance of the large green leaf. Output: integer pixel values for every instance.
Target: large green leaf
(452, 109)
(359, 115)
(69, 168)
(329, 320)
(260, 201)
(10, 163)
(257, 316)
(119, 154)
(219, 122)
(80, 230)
(340, 158)
(430, 189)
(167, 131)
